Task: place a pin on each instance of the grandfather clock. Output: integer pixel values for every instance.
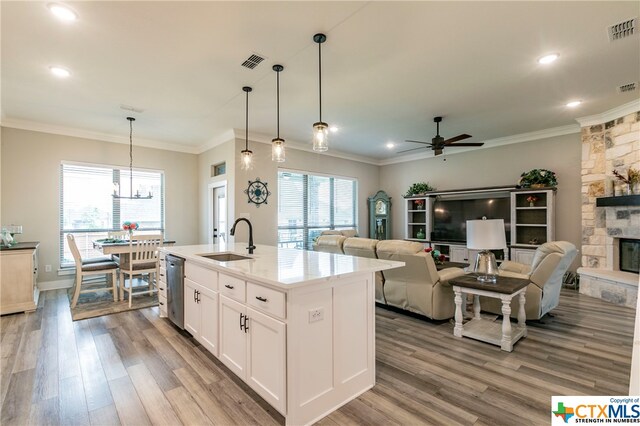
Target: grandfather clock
(380, 216)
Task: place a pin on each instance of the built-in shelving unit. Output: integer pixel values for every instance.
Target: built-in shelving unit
(418, 218)
(532, 222)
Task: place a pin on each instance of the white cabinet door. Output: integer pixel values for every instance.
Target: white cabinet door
(522, 255)
(233, 339)
(191, 308)
(266, 358)
(458, 254)
(208, 305)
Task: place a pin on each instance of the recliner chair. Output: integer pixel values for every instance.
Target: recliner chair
(550, 262)
(418, 286)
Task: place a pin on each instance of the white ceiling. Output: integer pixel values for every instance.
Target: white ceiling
(388, 68)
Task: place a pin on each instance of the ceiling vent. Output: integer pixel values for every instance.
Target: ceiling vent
(252, 61)
(623, 29)
(629, 87)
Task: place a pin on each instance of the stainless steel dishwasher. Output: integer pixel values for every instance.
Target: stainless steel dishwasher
(175, 289)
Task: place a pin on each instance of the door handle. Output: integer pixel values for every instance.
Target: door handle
(194, 296)
(198, 296)
(241, 315)
(246, 318)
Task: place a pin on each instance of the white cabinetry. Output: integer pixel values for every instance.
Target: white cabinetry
(418, 218)
(522, 255)
(201, 305)
(252, 345)
(532, 222)
(18, 278)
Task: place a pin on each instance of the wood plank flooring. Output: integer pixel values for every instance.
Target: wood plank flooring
(135, 368)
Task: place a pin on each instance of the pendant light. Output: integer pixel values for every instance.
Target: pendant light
(116, 189)
(320, 128)
(277, 144)
(246, 154)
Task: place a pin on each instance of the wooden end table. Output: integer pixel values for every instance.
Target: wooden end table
(505, 289)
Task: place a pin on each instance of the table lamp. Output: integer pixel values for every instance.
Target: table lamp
(486, 235)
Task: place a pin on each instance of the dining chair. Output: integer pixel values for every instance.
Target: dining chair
(119, 235)
(142, 258)
(89, 268)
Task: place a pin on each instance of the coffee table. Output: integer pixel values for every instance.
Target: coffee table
(505, 289)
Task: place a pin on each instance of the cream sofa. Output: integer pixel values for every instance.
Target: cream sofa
(418, 286)
(550, 262)
(344, 232)
(329, 244)
(366, 247)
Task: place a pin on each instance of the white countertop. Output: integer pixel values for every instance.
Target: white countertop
(282, 267)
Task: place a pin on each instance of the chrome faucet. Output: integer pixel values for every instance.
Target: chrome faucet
(233, 231)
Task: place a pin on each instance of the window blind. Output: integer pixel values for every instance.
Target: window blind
(89, 211)
(309, 204)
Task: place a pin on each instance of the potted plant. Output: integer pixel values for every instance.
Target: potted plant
(538, 178)
(130, 226)
(419, 188)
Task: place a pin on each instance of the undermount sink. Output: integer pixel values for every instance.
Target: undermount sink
(224, 257)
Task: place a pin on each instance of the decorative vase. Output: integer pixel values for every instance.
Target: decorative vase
(419, 207)
(531, 204)
(420, 234)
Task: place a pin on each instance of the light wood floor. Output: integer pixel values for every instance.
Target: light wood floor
(134, 368)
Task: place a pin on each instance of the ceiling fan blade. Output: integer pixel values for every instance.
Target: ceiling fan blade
(437, 151)
(426, 143)
(457, 138)
(453, 145)
(412, 149)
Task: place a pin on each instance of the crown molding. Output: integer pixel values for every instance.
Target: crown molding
(492, 143)
(612, 114)
(291, 144)
(87, 134)
(226, 136)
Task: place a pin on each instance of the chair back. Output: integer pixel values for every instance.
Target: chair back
(144, 249)
(71, 240)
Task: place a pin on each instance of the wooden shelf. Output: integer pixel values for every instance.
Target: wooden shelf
(531, 208)
(537, 225)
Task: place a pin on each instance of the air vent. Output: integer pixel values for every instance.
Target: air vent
(623, 29)
(252, 61)
(629, 87)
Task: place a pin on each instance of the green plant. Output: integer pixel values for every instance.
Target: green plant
(418, 188)
(538, 177)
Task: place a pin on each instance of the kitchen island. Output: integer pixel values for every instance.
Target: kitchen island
(297, 326)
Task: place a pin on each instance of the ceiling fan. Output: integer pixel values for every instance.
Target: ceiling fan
(438, 143)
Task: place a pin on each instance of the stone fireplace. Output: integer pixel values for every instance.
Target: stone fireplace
(613, 145)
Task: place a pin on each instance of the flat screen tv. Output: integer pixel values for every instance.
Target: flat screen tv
(450, 216)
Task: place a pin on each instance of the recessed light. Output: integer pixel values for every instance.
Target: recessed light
(574, 104)
(62, 12)
(60, 72)
(333, 129)
(547, 59)
(390, 145)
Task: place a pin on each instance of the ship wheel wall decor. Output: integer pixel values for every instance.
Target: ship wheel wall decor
(257, 192)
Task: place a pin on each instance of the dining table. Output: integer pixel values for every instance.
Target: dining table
(118, 247)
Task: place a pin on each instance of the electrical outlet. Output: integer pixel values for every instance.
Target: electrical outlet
(316, 314)
(47, 268)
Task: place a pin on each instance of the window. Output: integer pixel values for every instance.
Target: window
(309, 204)
(88, 210)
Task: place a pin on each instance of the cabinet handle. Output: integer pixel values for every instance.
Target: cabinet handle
(241, 315)
(246, 318)
(229, 286)
(161, 303)
(161, 289)
(262, 299)
(194, 296)
(198, 294)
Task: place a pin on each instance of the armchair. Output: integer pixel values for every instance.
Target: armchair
(550, 261)
(418, 286)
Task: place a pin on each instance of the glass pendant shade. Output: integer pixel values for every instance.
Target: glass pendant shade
(277, 150)
(320, 136)
(246, 156)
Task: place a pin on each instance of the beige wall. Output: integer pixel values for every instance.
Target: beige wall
(224, 153)
(30, 185)
(265, 217)
(497, 166)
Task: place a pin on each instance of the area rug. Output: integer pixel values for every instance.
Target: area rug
(101, 303)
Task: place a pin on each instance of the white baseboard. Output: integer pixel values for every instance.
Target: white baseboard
(55, 285)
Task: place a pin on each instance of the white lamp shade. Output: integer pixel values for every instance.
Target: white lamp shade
(486, 234)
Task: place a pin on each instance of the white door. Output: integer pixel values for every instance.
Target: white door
(191, 308)
(219, 209)
(266, 358)
(209, 319)
(233, 336)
